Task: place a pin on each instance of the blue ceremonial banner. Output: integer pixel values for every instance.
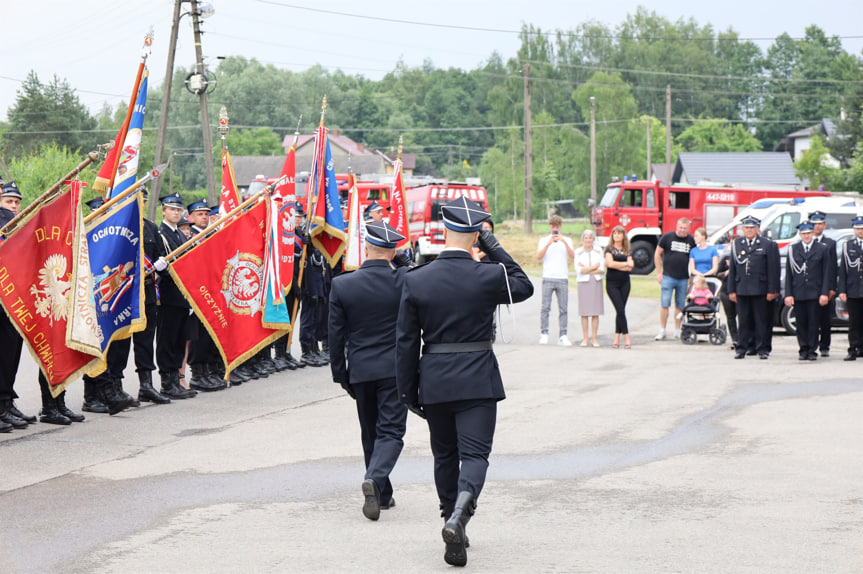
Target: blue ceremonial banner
(327, 225)
(116, 263)
(127, 168)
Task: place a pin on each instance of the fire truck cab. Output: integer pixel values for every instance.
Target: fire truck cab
(426, 224)
(647, 209)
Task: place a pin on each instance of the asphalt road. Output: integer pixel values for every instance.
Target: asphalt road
(662, 458)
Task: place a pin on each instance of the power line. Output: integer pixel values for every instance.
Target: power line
(529, 32)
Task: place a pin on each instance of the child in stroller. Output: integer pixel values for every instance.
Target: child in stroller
(701, 312)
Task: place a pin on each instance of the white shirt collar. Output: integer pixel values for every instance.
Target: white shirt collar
(455, 249)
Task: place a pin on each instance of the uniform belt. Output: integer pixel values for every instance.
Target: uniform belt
(472, 347)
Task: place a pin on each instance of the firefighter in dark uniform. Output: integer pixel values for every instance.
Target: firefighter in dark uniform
(173, 312)
(807, 287)
(827, 312)
(118, 353)
(364, 308)
(10, 341)
(448, 308)
(850, 288)
(313, 299)
(202, 350)
(753, 283)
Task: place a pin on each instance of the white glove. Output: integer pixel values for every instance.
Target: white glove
(160, 264)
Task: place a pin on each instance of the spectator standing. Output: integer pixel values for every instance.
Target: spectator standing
(589, 269)
(672, 273)
(619, 264)
(703, 258)
(555, 251)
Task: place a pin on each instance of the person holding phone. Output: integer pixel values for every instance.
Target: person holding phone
(555, 251)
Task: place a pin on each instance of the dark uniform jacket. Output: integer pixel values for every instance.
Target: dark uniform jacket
(755, 270)
(830, 244)
(807, 273)
(154, 248)
(364, 308)
(452, 300)
(851, 270)
(169, 294)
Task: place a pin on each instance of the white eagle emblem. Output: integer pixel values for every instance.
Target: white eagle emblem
(52, 299)
(242, 283)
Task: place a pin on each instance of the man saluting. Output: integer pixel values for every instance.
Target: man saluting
(448, 306)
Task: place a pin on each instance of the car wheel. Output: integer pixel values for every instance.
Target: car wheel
(788, 320)
(642, 257)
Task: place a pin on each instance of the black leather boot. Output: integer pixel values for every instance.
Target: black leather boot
(92, 402)
(453, 532)
(266, 361)
(29, 419)
(60, 401)
(446, 509)
(323, 355)
(290, 358)
(200, 380)
(49, 413)
(217, 376)
(281, 360)
(309, 357)
(112, 398)
(171, 387)
(146, 391)
(7, 417)
(5, 427)
(259, 367)
(238, 377)
(118, 386)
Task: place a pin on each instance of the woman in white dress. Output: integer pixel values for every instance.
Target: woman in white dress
(590, 269)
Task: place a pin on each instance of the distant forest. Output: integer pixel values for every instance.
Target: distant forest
(726, 95)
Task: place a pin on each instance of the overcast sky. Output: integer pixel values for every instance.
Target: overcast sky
(95, 45)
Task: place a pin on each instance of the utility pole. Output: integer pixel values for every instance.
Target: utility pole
(668, 133)
(212, 192)
(593, 149)
(528, 154)
(649, 168)
(166, 103)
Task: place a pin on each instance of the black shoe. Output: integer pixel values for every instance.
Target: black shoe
(237, 377)
(372, 504)
(94, 406)
(172, 388)
(751, 353)
(825, 352)
(297, 364)
(739, 355)
(802, 357)
(115, 400)
(146, 391)
(11, 419)
(53, 417)
(453, 532)
(29, 419)
(812, 357)
(5, 427)
(66, 411)
(851, 356)
(763, 356)
(391, 503)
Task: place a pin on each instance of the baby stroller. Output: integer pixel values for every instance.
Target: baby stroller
(704, 319)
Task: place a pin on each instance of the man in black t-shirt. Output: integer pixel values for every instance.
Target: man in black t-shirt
(672, 272)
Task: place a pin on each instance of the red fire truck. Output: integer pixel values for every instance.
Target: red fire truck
(423, 206)
(648, 209)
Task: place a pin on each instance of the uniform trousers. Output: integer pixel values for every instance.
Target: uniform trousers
(171, 338)
(10, 356)
(618, 292)
(808, 314)
(825, 317)
(730, 308)
(383, 419)
(855, 325)
(461, 432)
(118, 352)
(202, 349)
(310, 319)
(753, 324)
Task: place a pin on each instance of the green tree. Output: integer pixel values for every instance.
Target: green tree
(45, 113)
(813, 166)
(715, 135)
(36, 172)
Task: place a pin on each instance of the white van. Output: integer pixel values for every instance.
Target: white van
(779, 218)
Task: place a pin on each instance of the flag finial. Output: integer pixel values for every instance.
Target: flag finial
(224, 127)
(323, 110)
(146, 49)
(297, 132)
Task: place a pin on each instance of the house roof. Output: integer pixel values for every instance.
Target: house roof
(753, 168)
(409, 160)
(336, 139)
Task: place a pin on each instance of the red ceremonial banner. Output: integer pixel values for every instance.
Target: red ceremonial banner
(230, 198)
(222, 278)
(36, 285)
(398, 213)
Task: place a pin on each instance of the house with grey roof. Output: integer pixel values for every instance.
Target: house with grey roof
(796, 143)
(768, 170)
